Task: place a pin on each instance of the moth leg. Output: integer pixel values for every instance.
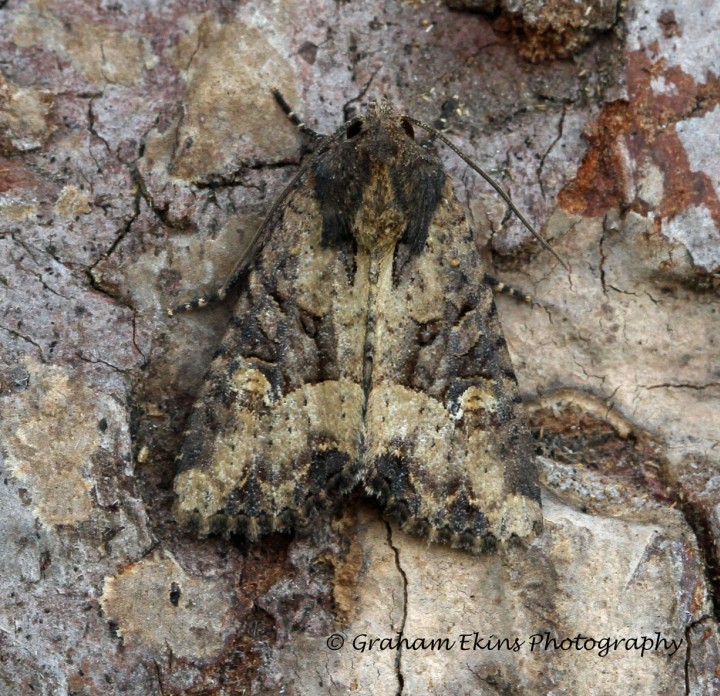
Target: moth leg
(499, 286)
(204, 300)
(294, 118)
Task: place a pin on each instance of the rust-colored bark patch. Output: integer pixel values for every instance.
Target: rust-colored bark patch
(14, 174)
(578, 428)
(348, 574)
(633, 139)
(558, 28)
(601, 180)
(669, 24)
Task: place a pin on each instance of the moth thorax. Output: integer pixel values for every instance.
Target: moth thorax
(379, 221)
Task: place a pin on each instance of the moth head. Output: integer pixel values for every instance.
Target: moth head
(380, 118)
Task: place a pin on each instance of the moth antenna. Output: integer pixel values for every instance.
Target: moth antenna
(294, 118)
(500, 190)
(257, 239)
(251, 249)
(499, 287)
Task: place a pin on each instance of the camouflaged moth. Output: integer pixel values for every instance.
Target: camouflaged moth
(364, 350)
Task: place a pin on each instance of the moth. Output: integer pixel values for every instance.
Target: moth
(364, 350)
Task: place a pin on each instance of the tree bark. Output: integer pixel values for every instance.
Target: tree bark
(140, 149)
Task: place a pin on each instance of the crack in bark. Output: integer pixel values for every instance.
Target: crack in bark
(697, 517)
(652, 299)
(146, 358)
(116, 242)
(347, 114)
(93, 132)
(191, 60)
(541, 165)
(680, 385)
(17, 334)
(95, 282)
(623, 292)
(158, 674)
(698, 521)
(589, 375)
(100, 361)
(688, 650)
(31, 251)
(233, 182)
(603, 256)
(401, 632)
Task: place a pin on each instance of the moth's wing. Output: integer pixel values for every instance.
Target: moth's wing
(277, 426)
(447, 449)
